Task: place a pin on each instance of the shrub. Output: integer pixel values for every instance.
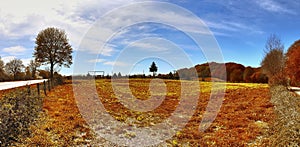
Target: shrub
(18, 111)
(58, 79)
(274, 61)
(286, 127)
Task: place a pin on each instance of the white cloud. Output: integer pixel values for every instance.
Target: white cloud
(117, 21)
(96, 60)
(231, 27)
(26, 18)
(26, 61)
(273, 6)
(19, 19)
(14, 50)
(113, 63)
(108, 50)
(220, 25)
(7, 59)
(150, 45)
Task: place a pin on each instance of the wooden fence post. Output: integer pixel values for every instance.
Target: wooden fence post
(28, 89)
(49, 88)
(45, 88)
(38, 88)
(51, 80)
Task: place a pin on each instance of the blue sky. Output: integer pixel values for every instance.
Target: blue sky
(239, 27)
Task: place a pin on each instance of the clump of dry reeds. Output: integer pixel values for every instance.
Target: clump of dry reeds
(286, 128)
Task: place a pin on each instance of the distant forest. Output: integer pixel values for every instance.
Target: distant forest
(234, 73)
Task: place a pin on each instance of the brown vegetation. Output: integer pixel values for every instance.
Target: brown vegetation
(285, 129)
(18, 110)
(274, 61)
(234, 72)
(245, 113)
(60, 124)
(244, 116)
(293, 63)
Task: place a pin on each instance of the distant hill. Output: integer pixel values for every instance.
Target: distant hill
(234, 72)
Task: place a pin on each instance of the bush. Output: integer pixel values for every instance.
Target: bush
(58, 79)
(18, 111)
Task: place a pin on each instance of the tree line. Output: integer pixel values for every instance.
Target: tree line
(277, 67)
(16, 70)
(234, 73)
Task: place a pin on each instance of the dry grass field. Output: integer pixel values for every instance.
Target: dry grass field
(243, 120)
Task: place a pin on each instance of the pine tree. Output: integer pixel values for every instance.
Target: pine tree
(153, 68)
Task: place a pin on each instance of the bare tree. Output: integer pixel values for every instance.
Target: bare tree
(33, 68)
(28, 75)
(273, 43)
(274, 61)
(14, 67)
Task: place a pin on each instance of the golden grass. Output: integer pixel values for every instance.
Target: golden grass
(243, 117)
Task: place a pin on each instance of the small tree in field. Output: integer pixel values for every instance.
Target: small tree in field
(119, 75)
(33, 68)
(274, 61)
(153, 68)
(52, 48)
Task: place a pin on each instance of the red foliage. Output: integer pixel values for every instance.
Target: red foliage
(234, 72)
(293, 63)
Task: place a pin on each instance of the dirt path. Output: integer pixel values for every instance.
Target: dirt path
(14, 84)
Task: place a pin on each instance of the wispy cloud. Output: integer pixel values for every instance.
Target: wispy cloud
(26, 20)
(96, 60)
(115, 63)
(226, 28)
(273, 6)
(14, 50)
(149, 45)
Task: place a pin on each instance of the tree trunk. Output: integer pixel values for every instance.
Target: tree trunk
(15, 76)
